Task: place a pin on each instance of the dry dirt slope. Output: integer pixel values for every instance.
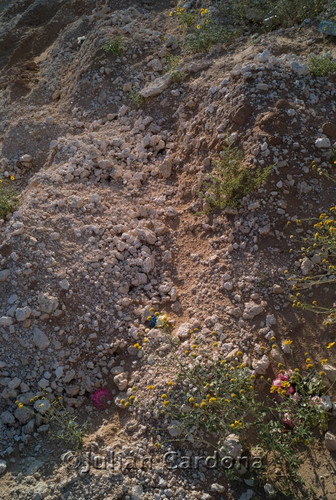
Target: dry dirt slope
(106, 224)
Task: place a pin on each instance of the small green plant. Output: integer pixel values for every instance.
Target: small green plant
(229, 181)
(63, 425)
(322, 65)
(114, 46)
(136, 97)
(8, 197)
(173, 62)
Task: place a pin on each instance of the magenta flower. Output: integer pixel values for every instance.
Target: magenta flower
(102, 398)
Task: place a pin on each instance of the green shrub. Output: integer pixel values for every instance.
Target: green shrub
(114, 46)
(63, 425)
(321, 65)
(137, 99)
(173, 61)
(229, 181)
(289, 12)
(8, 198)
(199, 31)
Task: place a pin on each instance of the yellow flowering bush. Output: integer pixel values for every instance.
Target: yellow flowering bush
(206, 397)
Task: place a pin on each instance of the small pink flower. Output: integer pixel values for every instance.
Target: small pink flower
(316, 400)
(102, 398)
(297, 397)
(287, 420)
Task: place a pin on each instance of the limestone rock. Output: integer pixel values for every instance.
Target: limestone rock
(156, 87)
(330, 441)
(251, 310)
(40, 339)
(22, 313)
(47, 303)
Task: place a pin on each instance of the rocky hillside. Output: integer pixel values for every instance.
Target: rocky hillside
(108, 131)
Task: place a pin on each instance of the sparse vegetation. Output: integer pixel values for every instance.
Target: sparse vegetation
(207, 396)
(62, 425)
(114, 47)
(8, 198)
(173, 62)
(229, 181)
(136, 98)
(322, 65)
(199, 31)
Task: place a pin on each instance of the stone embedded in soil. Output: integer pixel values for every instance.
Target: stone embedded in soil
(232, 445)
(23, 313)
(42, 406)
(40, 339)
(330, 372)
(251, 310)
(306, 266)
(23, 415)
(322, 143)
(217, 488)
(260, 366)
(156, 87)
(330, 441)
(47, 303)
(3, 467)
(4, 274)
(183, 331)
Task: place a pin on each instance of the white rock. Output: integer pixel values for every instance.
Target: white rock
(299, 69)
(4, 274)
(306, 266)
(121, 381)
(330, 441)
(148, 264)
(156, 87)
(261, 365)
(146, 235)
(22, 313)
(330, 371)
(64, 284)
(155, 64)
(174, 428)
(26, 158)
(217, 488)
(6, 321)
(7, 418)
(42, 405)
(327, 402)
(233, 446)
(322, 142)
(40, 339)
(277, 289)
(123, 110)
(137, 492)
(3, 467)
(251, 310)
(269, 489)
(183, 331)
(14, 383)
(47, 303)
